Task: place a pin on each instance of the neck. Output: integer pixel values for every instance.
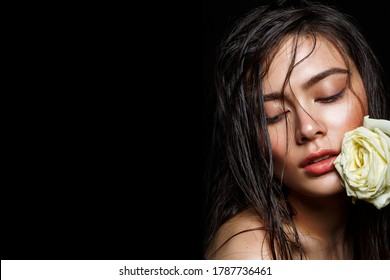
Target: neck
(321, 223)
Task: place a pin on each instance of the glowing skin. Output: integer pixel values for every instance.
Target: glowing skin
(318, 113)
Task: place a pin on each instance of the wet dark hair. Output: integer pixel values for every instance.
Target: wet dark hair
(240, 173)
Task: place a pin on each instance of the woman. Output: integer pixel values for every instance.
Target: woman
(290, 82)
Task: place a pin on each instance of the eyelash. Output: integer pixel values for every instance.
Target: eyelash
(332, 98)
(329, 99)
(276, 118)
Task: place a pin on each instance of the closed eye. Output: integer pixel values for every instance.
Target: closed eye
(332, 98)
(271, 120)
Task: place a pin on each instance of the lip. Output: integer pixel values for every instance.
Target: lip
(321, 167)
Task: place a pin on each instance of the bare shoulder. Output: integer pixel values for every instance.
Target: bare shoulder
(240, 238)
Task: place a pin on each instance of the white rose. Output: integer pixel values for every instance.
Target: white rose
(363, 163)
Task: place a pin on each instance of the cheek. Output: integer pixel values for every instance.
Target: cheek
(348, 117)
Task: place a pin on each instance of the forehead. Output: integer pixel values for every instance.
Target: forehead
(309, 56)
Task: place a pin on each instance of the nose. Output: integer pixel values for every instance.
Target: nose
(307, 127)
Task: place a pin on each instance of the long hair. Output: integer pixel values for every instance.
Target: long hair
(240, 170)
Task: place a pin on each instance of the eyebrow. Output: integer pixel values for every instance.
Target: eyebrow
(322, 75)
(309, 83)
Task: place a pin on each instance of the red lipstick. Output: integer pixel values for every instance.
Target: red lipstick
(319, 163)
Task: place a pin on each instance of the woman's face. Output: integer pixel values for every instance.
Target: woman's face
(319, 108)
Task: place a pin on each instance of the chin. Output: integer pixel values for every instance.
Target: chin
(328, 185)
